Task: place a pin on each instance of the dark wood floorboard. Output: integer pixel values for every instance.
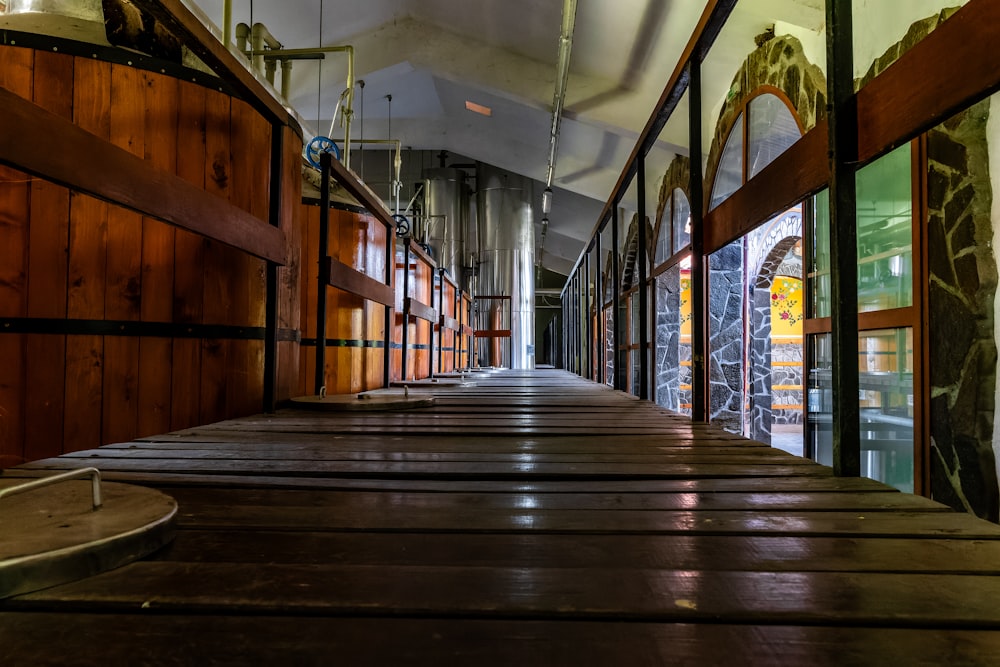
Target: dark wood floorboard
(533, 519)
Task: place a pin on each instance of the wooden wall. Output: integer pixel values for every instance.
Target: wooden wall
(355, 328)
(110, 307)
(421, 288)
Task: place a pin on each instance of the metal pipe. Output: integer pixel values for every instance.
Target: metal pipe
(347, 112)
(259, 37)
(227, 22)
(93, 473)
(562, 79)
(242, 37)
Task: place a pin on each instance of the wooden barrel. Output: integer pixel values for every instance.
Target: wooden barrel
(113, 325)
(355, 327)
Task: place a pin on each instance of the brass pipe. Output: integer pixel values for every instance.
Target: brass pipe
(348, 110)
(227, 22)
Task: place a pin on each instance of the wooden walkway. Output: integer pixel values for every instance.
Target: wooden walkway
(535, 519)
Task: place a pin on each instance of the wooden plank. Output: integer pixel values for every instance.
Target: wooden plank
(833, 598)
(669, 552)
(348, 279)
(196, 501)
(45, 364)
(264, 639)
(158, 259)
(420, 310)
(127, 180)
(84, 391)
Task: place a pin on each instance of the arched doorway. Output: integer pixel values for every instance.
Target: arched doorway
(774, 409)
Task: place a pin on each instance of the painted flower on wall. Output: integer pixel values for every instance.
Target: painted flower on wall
(786, 301)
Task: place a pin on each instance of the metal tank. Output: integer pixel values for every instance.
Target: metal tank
(506, 239)
(446, 218)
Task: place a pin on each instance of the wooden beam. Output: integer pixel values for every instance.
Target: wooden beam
(188, 28)
(420, 310)
(53, 148)
(346, 278)
(949, 70)
(450, 324)
(800, 171)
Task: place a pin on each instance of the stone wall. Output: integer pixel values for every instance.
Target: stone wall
(962, 290)
(963, 282)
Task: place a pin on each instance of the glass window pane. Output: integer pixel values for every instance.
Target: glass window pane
(729, 176)
(885, 360)
(819, 400)
(819, 266)
(684, 348)
(681, 220)
(772, 130)
(885, 233)
(663, 245)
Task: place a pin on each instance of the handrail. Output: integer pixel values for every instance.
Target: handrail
(93, 473)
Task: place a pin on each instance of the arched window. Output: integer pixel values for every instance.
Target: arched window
(762, 132)
(675, 227)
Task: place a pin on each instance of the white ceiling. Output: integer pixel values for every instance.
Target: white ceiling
(433, 55)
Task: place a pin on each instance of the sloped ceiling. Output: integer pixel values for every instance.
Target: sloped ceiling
(432, 56)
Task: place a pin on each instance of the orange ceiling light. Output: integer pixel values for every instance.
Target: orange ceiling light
(478, 108)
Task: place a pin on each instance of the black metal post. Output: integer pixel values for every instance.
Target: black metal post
(271, 287)
(390, 266)
(324, 250)
(587, 303)
(599, 307)
(643, 292)
(440, 321)
(699, 269)
(843, 131)
(616, 300)
(406, 311)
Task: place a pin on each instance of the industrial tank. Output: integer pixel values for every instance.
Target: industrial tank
(506, 239)
(446, 218)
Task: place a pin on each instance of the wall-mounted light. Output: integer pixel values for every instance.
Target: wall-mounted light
(478, 108)
(547, 201)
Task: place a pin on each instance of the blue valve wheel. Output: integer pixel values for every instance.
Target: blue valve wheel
(318, 146)
(402, 224)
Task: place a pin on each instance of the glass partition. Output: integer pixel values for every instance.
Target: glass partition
(885, 232)
(772, 129)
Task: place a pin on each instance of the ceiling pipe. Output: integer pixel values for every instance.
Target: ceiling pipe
(558, 102)
(562, 79)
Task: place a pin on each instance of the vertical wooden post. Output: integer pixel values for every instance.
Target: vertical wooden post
(699, 282)
(843, 131)
(324, 276)
(588, 298)
(643, 292)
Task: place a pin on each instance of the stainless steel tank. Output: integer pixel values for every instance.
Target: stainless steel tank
(446, 214)
(506, 239)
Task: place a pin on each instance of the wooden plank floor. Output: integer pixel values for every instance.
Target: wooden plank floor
(534, 519)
